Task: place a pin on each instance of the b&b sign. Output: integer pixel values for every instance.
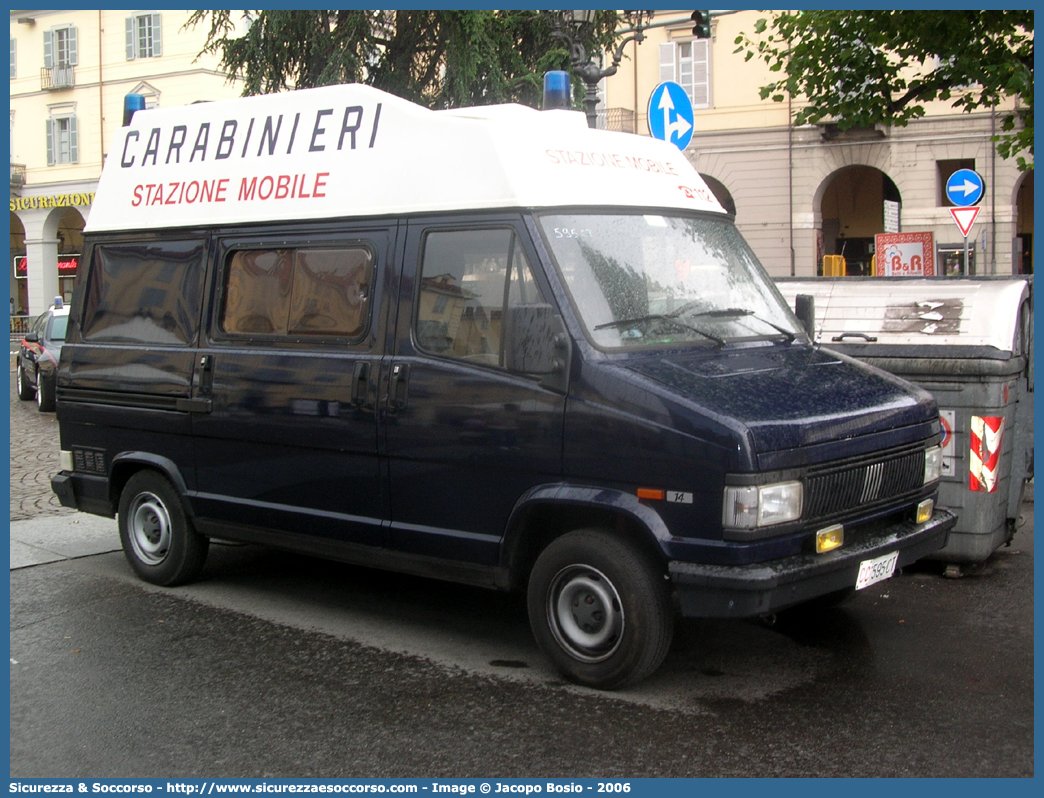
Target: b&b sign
(904, 255)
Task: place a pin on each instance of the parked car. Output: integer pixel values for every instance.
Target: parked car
(38, 356)
(488, 345)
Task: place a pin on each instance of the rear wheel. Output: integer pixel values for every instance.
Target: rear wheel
(25, 390)
(158, 539)
(600, 609)
(44, 393)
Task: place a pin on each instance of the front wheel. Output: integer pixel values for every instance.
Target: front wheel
(158, 539)
(25, 390)
(600, 609)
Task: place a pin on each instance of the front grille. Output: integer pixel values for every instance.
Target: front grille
(836, 489)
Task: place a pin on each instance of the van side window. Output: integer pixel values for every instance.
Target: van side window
(145, 293)
(468, 278)
(298, 292)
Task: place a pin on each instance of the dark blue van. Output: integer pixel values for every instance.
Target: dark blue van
(564, 373)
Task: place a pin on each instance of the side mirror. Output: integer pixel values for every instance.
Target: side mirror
(805, 310)
(31, 337)
(535, 340)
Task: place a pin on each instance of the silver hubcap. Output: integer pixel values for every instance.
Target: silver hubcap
(585, 613)
(149, 529)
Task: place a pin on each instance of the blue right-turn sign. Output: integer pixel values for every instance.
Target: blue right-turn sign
(964, 187)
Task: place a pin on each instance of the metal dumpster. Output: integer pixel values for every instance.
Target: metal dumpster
(969, 341)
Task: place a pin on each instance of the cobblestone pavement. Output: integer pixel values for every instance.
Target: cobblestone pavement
(34, 459)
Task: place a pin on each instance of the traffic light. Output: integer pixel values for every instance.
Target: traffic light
(701, 28)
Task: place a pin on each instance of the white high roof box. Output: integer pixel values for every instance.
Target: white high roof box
(905, 311)
(352, 150)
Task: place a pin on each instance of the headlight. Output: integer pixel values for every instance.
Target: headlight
(752, 506)
(932, 464)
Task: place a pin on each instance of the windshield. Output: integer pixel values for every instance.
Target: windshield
(643, 281)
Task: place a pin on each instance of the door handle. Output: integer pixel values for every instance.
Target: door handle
(206, 374)
(360, 382)
(398, 386)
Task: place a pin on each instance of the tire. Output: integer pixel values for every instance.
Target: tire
(600, 609)
(158, 538)
(44, 393)
(25, 390)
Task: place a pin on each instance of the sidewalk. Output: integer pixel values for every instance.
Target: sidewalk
(61, 537)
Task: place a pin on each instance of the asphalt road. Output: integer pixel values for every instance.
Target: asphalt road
(279, 665)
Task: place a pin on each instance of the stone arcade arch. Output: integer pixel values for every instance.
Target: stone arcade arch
(1023, 202)
(19, 289)
(850, 206)
(721, 193)
(43, 235)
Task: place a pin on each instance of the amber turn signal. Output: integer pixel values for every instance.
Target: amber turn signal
(925, 510)
(829, 538)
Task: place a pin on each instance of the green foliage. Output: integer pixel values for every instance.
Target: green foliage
(860, 68)
(439, 59)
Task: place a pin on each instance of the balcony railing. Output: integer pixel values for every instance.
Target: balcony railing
(620, 119)
(17, 175)
(58, 77)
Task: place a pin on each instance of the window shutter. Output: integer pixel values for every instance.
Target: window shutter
(157, 38)
(73, 141)
(701, 73)
(48, 49)
(666, 61)
(130, 39)
(73, 49)
(50, 141)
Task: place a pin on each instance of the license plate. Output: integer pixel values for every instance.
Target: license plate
(876, 570)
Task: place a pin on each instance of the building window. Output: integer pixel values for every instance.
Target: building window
(62, 140)
(687, 63)
(150, 93)
(143, 36)
(60, 47)
(60, 56)
(14, 61)
(944, 170)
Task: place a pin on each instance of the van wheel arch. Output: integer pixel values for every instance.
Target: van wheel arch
(127, 464)
(537, 525)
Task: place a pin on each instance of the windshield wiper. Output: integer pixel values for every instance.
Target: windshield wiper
(660, 317)
(735, 312)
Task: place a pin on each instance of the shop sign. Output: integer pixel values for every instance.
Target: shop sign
(66, 266)
(904, 254)
(51, 201)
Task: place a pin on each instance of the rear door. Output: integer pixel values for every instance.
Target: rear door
(289, 369)
(465, 437)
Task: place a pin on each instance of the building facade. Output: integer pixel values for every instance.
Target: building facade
(70, 71)
(800, 193)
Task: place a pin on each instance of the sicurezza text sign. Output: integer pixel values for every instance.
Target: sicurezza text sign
(356, 151)
(52, 201)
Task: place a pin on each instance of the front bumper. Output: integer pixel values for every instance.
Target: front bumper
(741, 591)
(88, 494)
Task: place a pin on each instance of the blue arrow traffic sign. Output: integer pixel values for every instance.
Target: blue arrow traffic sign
(964, 187)
(670, 115)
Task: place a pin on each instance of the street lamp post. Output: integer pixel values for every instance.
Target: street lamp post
(570, 27)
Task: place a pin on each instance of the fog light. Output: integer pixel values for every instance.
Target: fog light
(924, 510)
(829, 538)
